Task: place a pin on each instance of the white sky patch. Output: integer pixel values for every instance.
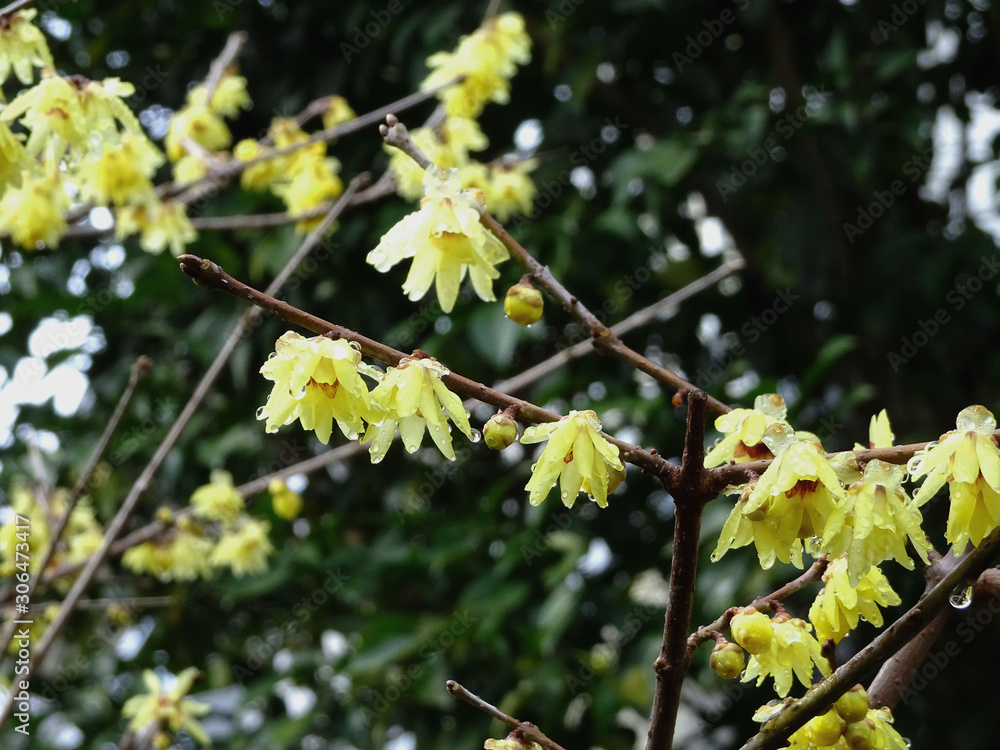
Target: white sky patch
(947, 159)
(942, 44)
(528, 136)
(597, 558)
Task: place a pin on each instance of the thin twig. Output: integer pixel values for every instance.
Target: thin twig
(689, 500)
(140, 370)
(210, 274)
(528, 729)
(218, 68)
(15, 7)
(707, 632)
(245, 324)
(776, 731)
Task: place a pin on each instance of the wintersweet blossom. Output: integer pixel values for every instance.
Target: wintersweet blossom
(318, 381)
(576, 453)
(838, 606)
(791, 501)
(218, 500)
(243, 547)
(447, 146)
(162, 224)
(121, 173)
(793, 651)
(509, 189)
(485, 60)
(874, 522)
(445, 240)
(967, 459)
(168, 710)
(743, 431)
(413, 397)
(33, 212)
(22, 47)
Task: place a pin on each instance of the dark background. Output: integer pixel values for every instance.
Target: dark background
(461, 578)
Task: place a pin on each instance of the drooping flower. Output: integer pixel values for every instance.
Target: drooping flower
(337, 112)
(576, 453)
(485, 60)
(228, 98)
(445, 240)
(318, 381)
(791, 501)
(168, 710)
(413, 397)
(162, 224)
(510, 190)
(838, 606)
(313, 182)
(967, 459)
(199, 124)
(22, 46)
(874, 522)
(743, 431)
(793, 651)
(13, 158)
(218, 500)
(33, 212)
(120, 173)
(243, 547)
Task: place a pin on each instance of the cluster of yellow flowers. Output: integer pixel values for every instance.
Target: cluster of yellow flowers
(801, 499)
(318, 381)
(485, 61)
(850, 724)
(220, 535)
(304, 178)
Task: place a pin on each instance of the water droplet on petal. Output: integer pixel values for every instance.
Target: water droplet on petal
(961, 596)
(534, 466)
(300, 394)
(476, 435)
(260, 412)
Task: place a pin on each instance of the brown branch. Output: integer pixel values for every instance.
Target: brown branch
(889, 684)
(822, 695)
(15, 7)
(528, 729)
(218, 67)
(689, 500)
(708, 632)
(209, 274)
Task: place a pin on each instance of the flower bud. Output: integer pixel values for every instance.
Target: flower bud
(825, 730)
(853, 705)
(285, 502)
(860, 734)
(523, 304)
(727, 660)
(500, 431)
(752, 630)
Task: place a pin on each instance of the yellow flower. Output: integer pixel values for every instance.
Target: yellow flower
(155, 558)
(968, 460)
(229, 97)
(161, 224)
(23, 503)
(446, 240)
(70, 112)
(244, 547)
(167, 710)
(511, 743)
(744, 430)
(120, 173)
(791, 501)
(22, 46)
(875, 522)
(286, 132)
(837, 607)
(413, 396)
(259, 176)
(285, 502)
(189, 553)
(13, 158)
(511, 190)
(201, 125)
(576, 453)
(823, 732)
(337, 112)
(189, 168)
(313, 182)
(487, 59)
(793, 650)
(317, 381)
(218, 500)
(33, 213)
